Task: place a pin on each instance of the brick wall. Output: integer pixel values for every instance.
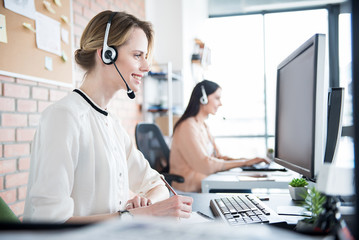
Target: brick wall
(22, 101)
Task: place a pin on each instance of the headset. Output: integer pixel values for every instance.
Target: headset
(109, 55)
(203, 99)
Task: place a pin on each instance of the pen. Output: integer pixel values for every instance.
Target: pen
(168, 186)
(204, 215)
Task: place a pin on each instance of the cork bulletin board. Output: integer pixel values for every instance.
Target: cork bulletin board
(20, 55)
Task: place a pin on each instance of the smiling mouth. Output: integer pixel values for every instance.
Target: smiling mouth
(137, 77)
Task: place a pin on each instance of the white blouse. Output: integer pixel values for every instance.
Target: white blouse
(83, 163)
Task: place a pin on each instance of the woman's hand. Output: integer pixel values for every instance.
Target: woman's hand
(175, 206)
(226, 158)
(256, 160)
(138, 201)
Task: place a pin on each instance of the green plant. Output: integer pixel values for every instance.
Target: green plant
(314, 204)
(270, 153)
(298, 182)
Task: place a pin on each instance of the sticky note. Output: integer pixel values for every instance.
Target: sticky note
(63, 56)
(58, 3)
(28, 26)
(65, 19)
(48, 7)
(3, 33)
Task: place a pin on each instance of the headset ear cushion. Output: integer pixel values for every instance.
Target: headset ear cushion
(203, 99)
(110, 55)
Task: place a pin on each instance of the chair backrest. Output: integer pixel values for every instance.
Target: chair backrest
(6, 214)
(150, 142)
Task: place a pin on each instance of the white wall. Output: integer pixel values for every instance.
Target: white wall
(166, 17)
(195, 12)
(176, 23)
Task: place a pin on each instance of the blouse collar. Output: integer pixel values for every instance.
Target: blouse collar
(93, 105)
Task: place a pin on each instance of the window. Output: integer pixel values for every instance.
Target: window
(237, 52)
(245, 53)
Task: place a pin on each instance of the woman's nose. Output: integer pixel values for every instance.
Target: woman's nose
(145, 66)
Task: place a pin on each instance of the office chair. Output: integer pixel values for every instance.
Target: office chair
(150, 142)
(6, 214)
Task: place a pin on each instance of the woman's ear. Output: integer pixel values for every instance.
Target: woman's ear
(99, 54)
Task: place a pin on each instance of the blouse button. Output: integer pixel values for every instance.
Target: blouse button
(120, 174)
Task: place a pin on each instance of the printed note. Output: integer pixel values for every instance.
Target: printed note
(48, 34)
(25, 8)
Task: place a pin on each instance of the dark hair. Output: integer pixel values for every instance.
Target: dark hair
(93, 35)
(194, 102)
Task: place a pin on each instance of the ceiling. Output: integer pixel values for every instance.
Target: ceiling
(218, 8)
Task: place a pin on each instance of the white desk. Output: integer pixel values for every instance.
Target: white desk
(234, 180)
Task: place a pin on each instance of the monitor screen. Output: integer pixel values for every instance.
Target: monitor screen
(300, 132)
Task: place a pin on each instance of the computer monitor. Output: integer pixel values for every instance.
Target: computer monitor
(334, 123)
(301, 109)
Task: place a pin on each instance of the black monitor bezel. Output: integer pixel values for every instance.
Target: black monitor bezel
(311, 171)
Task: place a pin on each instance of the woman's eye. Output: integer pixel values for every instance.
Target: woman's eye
(137, 55)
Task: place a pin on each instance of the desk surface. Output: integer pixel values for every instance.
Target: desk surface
(234, 180)
(165, 228)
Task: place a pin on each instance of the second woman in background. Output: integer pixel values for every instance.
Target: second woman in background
(194, 154)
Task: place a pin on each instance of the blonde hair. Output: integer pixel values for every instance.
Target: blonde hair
(122, 25)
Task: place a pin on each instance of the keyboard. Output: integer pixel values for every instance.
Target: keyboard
(243, 209)
(265, 167)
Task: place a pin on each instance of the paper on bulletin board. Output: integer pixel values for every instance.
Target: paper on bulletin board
(48, 63)
(25, 8)
(3, 34)
(65, 35)
(48, 34)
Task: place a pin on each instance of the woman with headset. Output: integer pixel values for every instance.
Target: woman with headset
(83, 164)
(194, 154)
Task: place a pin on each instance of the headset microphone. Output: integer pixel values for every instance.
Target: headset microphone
(130, 93)
(109, 55)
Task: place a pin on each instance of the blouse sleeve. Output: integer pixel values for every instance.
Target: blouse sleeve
(142, 178)
(190, 146)
(53, 162)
